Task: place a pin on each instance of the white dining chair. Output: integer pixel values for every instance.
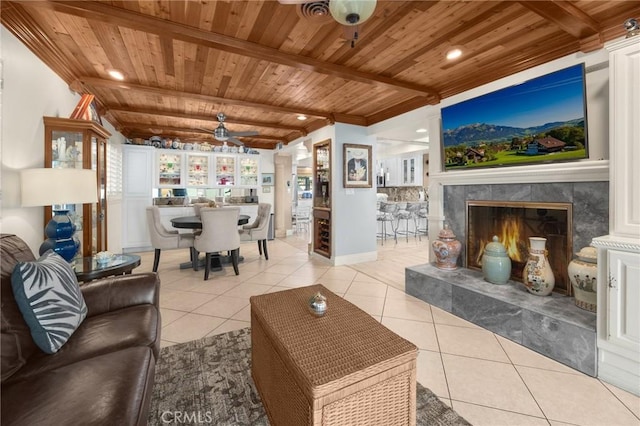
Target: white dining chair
(259, 229)
(165, 239)
(219, 233)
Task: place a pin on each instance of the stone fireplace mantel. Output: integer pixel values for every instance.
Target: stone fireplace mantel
(550, 325)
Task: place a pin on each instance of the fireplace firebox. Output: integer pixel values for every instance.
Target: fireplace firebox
(514, 223)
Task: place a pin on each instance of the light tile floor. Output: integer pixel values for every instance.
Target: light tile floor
(486, 378)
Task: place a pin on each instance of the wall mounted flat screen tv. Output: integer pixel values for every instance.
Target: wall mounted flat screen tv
(539, 121)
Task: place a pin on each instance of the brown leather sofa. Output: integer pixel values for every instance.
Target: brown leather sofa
(103, 375)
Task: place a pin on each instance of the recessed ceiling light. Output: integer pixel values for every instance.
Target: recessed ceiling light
(454, 54)
(302, 117)
(116, 74)
(421, 131)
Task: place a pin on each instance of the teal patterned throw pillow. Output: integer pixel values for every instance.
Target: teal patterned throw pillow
(50, 300)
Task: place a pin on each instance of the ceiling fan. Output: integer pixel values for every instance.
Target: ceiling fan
(222, 134)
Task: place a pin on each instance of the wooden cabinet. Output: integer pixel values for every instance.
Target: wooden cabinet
(81, 144)
(322, 198)
(322, 231)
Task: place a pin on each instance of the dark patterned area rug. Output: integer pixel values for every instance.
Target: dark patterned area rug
(208, 381)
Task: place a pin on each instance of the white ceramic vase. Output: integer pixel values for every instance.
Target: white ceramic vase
(583, 273)
(537, 275)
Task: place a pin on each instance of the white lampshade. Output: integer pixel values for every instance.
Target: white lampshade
(352, 12)
(46, 187)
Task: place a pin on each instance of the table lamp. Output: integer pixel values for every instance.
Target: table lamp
(57, 188)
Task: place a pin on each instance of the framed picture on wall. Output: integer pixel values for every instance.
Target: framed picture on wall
(267, 179)
(357, 166)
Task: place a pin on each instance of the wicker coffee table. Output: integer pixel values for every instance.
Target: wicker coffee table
(343, 368)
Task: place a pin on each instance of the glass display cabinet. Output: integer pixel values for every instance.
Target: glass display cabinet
(322, 198)
(170, 169)
(249, 171)
(225, 170)
(198, 170)
(80, 144)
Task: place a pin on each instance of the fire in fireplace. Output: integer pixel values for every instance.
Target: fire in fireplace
(514, 223)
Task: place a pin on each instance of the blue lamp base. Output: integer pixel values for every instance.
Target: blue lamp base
(59, 231)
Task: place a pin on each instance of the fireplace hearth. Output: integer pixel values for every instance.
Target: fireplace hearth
(513, 223)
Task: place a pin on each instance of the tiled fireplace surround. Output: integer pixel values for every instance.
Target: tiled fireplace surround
(552, 325)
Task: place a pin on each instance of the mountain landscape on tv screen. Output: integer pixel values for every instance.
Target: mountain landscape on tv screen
(482, 133)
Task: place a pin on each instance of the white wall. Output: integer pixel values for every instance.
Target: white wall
(267, 166)
(353, 210)
(30, 91)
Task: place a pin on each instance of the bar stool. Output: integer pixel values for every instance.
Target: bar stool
(386, 214)
(423, 213)
(409, 213)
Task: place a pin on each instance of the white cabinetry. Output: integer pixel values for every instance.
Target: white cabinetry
(137, 184)
(404, 170)
(249, 170)
(170, 170)
(198, 171)
(225, 170)
(618, 312)
(391, 168)
(619, 252)
(411, 170)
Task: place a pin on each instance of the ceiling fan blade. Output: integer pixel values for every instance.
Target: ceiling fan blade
(247, 133)
(235, 141)
(204, 130)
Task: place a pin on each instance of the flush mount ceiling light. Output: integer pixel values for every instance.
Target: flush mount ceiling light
(454, 53)
(352, 13)
(116, 74)
(421, 131)
(301, 117)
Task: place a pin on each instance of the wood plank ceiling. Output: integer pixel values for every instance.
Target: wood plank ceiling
(262, 63)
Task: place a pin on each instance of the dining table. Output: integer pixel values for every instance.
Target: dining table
(195, 222)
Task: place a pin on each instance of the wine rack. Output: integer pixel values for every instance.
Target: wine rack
(322, 227)
(322, 198)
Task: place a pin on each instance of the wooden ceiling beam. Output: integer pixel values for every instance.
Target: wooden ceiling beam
(570, 19)
(137, 21)
(118, 85)
(211, 119)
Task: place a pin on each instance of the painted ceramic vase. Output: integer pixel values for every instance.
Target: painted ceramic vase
(447, 249)
(496, 264)
(582, 274)
(537, 275)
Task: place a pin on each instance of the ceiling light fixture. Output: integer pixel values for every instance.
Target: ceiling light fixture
(352, 13)
(454, 54)
(302, 117)
(421, 130)
(116, 74)
(632, 27)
